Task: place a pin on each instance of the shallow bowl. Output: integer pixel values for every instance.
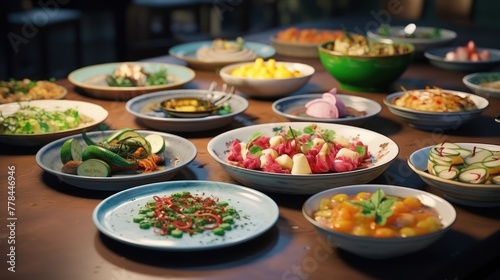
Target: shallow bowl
(477, 195)
(179, 152)
(423, 38)
(474, 81)
(381, 248)
(436, 120)
(146, 109)
(268, 88)
(383, 152)
(293, 108)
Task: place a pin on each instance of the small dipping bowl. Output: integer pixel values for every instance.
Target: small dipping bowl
(189, 107)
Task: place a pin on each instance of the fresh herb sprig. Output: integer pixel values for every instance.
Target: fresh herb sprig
(378, 205)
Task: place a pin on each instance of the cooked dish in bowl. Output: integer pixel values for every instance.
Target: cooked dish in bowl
(434, 100)
(27, 89)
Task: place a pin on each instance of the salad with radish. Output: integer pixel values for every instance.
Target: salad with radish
(311, 150)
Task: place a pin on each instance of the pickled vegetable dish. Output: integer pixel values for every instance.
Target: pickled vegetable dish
(377, 215)
(36, 120)
(476, 166)
(312, 150)
(358, 45)
(184, 212)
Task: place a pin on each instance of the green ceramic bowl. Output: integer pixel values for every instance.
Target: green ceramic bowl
(365, 73)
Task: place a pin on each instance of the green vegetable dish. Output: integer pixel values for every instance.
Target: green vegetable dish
(36, 120)
(131, 75)
(183, 212)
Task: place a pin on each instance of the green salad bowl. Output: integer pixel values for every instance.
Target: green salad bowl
(364, 72)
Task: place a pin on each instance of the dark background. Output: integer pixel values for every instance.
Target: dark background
(149, 30)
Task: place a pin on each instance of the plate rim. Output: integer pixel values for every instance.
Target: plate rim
(81, 84)
(156, 95)
(153, 188)
(174, 51)
(58, 101)
(312, 96)
(110, 180)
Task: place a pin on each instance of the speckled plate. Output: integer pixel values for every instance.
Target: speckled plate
(113, 216)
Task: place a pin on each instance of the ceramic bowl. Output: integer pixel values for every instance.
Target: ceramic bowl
(437, 58)
(436, 120)
(475, 83)
(179, 152)
(477, 195)
(383, 152)
(267, 88)
(96, 112)
(146, 109)
(293, 108)
(364, 73)
(424, 37)
(381, 248)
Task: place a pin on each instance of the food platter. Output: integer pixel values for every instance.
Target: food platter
(96, 112)
(92, 79)
(145, 108)
(437, 58)
(113, 216)
(187, 53)
(178, 153)
(293, 108)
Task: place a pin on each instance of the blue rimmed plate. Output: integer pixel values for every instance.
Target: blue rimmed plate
(437, 58)
(179, 152)
(113, 216)
(92, 79)
(187, 53)
(146, 109)
(486, 84)
(360, 109)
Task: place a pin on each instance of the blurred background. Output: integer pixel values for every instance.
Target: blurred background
(44, 39)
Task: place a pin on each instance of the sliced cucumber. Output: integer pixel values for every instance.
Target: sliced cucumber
(71, 150)
(474, 175)
(94, 168)
(478, 156)
(117, 134)
(495, 180)
(157, 143)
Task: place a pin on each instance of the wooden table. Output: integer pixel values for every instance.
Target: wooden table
(55, 237)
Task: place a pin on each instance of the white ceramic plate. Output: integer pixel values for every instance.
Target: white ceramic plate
(187, 53)
(436, 120)
(92, 79)
(96, 112)
(179, 152)
(113, 216)
(477, 195)
(293, 108)
(383, 152)
(436, 58)
(422, 41)
(145, 108)
(473, 82)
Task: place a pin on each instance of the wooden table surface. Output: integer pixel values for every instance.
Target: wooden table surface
(55, 237)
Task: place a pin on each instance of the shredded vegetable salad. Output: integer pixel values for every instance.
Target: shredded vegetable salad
(36, 120)
(309, 151)
(184, 212)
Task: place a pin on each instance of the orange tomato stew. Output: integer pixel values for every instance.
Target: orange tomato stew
(404, 217)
